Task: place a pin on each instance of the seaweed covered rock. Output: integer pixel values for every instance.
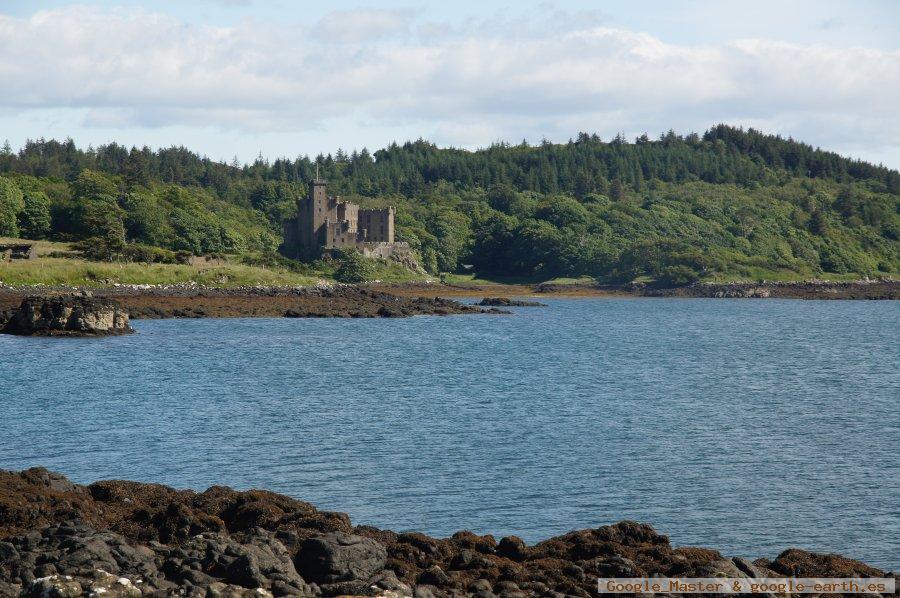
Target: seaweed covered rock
(119, 538)
(68, 315)
(507, 302)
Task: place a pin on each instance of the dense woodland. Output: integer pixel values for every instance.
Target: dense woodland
(731, 203)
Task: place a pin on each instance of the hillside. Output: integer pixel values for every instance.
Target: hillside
(730, 204)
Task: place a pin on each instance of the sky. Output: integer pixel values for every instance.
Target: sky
(242, 78)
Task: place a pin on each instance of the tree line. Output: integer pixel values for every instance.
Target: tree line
(729, 202)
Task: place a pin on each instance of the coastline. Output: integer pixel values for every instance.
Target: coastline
(408, 299)
(386, 300)
(148, 539)
(886, 289)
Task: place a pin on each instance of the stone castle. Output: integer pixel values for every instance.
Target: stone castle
(326, 222)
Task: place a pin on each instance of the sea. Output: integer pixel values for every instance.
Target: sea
(749, 426)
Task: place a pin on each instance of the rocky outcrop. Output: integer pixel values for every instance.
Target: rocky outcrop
(71, 315)
(118, 538)
(507, 302)
(337, 557)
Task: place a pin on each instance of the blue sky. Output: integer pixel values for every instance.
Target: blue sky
(244, 77)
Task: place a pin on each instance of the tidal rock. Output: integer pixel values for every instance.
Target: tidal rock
(338, 557)
(507, 302)
(260, 561)
(68, 316)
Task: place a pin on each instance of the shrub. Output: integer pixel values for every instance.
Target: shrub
(677, 276)
(353, 267)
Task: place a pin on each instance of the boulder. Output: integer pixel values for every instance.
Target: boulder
(70, 315)
(339, 557)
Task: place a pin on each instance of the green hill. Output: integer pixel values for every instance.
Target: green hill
(730, 204)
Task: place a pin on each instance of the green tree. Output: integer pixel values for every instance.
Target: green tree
(11, 203)
(353, 267)
(34, 219)
(146, 220)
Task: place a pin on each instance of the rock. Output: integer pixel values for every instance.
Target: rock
(54, 586)
(513, 548)
(260, 561)
(434, 576)
(338, 557)
(116, 538)
(481, 585)
(507, 302)
(68, 316)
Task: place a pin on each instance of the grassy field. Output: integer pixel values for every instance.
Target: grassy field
(77, 272)
(57, 264)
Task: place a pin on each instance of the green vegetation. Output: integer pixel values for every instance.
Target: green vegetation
(727, 205)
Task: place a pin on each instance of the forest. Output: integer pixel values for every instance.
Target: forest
(728, 204)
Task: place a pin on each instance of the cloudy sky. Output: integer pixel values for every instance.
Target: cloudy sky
(284, 78)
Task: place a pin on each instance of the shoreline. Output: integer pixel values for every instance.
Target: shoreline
(409, 299)
(161, 541)
(880, 289)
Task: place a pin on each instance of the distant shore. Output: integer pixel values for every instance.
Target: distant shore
(132, 539)
(812, 289)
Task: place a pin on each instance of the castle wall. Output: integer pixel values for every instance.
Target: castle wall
(291, 245)
(378, 225)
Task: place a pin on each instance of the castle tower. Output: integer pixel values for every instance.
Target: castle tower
(312, 213)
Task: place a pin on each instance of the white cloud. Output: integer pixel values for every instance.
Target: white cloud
(358, 26)
(466, 86)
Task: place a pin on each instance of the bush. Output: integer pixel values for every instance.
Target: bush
(677, 276)
(353, 267)
(100, 249)
(136, 252)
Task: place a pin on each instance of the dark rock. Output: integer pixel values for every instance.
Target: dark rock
(338, 557)
(117, 538)
(481, 585)
(434, 576)
(507, 302)
(513, 548)
(68, 316)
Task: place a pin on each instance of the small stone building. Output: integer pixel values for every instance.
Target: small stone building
(17, 251)
(326, 222)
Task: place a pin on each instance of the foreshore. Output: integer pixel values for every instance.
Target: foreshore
(888, 289)
(190, 301)
(408, 299)
(120, 538)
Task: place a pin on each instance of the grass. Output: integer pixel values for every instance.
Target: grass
(74, 271)
(54, 271)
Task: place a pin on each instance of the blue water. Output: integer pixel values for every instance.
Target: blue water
(748, 426)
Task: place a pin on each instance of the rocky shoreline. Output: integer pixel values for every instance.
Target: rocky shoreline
(409, 299)
(882, 289)
(118, 538)
(812, 289)
(324, 301)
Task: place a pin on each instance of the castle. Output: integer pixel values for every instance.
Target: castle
(325, 222)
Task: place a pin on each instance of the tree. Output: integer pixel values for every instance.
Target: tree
(353, 267)
(91, 185)
(146, 220)
(34, 219)
(818, 224)
(616, 190)
(562, 211)
(11, 203)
